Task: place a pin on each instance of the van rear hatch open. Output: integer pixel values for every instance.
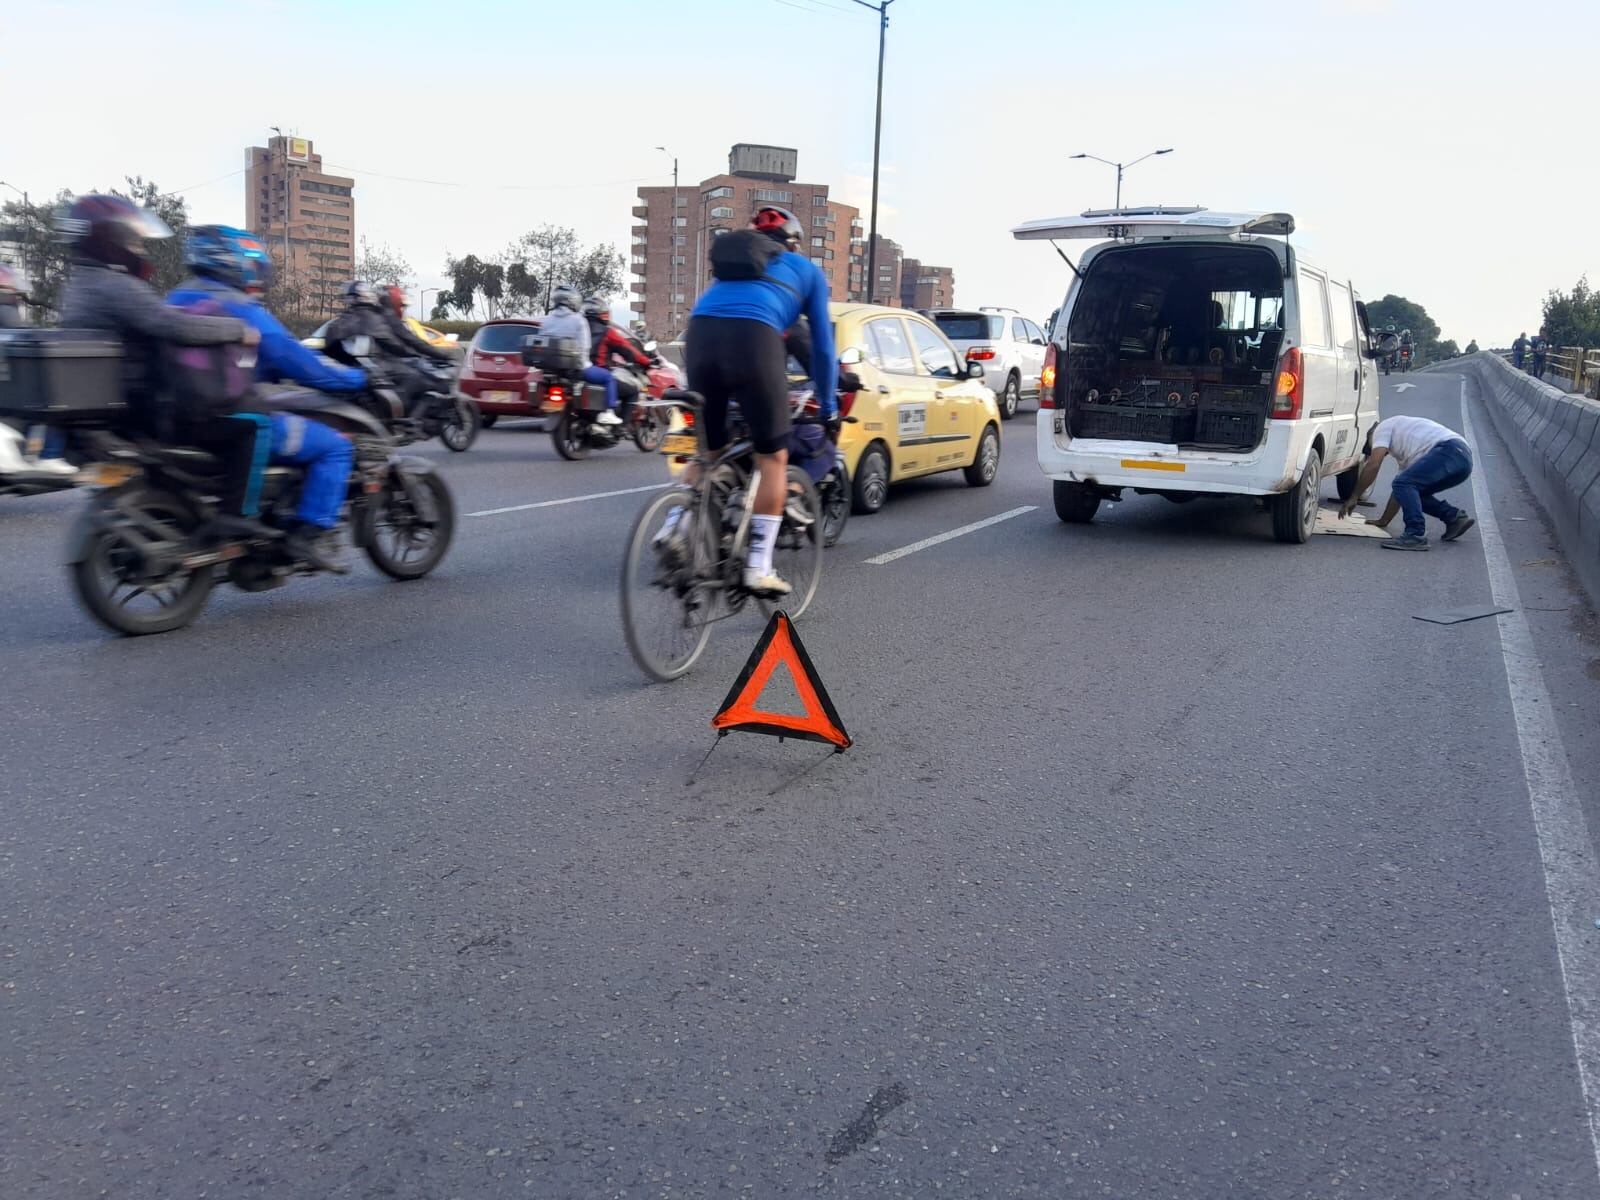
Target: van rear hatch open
(1175, 343)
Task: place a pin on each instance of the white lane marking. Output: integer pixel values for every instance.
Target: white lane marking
(1571, 877)
(890, 556)
(495, 512)
(1404, 387)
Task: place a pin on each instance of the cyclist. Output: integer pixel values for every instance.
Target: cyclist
(734, 350)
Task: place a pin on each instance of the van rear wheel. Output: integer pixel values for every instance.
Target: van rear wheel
(1076, 503)
(1294, 513)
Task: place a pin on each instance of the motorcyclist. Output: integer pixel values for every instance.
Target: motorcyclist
(230, 267)
(108, 288)
(608, 343)
(392, 307)
(566, 321)
(13, 291)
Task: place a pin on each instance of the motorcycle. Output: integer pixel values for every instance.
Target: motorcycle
(1405, 357)
(21, 477)
(439, 409)
(574, 406)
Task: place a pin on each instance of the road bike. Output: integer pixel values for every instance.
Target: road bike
(684, 565)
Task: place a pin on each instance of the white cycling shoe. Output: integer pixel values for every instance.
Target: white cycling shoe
(608, 418)
(768, 585)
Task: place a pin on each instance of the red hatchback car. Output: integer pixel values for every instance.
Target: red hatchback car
(493, 374)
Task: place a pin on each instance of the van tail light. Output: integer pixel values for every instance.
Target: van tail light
(980, 353)
(1047, 379)
(1290, 392)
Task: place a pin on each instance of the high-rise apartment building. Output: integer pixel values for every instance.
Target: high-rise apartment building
(887, 256)
(305, 217)
(673, 230)
(923, 285)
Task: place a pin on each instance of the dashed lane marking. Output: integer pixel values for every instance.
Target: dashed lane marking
(890, 556)
(495, 512)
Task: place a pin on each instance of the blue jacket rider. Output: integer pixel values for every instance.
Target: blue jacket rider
(230, 267)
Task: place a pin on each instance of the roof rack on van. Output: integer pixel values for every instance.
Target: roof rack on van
(1151, 223)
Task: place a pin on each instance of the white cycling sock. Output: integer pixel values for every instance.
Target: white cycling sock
(674, 515)
(763, 532)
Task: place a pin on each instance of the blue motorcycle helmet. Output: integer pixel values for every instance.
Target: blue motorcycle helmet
(230, 256)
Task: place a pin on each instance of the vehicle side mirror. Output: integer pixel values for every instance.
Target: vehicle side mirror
(852, 357)
(974, 369)
(1040, 342)
(1387, 344)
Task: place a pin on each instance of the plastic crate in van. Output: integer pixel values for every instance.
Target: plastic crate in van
(60, 376)
(1225, 427)
(1131, 423)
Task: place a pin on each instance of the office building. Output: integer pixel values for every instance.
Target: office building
(923, 285)
(305, 217)
(887, 262)
(673, 230)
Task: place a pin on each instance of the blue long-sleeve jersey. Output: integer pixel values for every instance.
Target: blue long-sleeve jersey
(280, 357)
(773, 304)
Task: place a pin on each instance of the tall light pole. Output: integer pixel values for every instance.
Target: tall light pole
(283, 144)
(672, 240)
(27, 217)
(882, 9)
(1121, 167)
(422, 302)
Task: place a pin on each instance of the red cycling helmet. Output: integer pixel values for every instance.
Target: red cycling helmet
(394, 298)
(779, 224)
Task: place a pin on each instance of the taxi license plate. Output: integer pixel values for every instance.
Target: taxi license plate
(679, 443)
(500, 397)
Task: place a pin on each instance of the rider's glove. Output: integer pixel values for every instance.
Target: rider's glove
(849, 381)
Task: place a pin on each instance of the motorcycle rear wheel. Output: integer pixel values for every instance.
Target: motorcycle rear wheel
(570, 437)
(109, 588)
(407, 531)
(649, 430)
(461, 425)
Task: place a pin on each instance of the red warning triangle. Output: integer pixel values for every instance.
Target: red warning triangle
(780, 644)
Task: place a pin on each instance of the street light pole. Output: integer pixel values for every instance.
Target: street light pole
(422, 302)
(882, 9)
(1121, 167)
(672, 241)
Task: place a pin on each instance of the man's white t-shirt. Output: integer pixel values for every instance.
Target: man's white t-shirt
(1409, 438)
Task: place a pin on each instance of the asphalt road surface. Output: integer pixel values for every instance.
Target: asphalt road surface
(1169, 862)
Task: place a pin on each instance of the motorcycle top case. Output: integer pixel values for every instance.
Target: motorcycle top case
(558, 355)
(60, 376)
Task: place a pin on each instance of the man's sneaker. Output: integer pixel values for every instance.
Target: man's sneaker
(608, 418)
(313, 545)
(53, 466)
(1456, 528)
(768, 585)
(1405, 541)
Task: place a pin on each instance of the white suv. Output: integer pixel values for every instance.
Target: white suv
(1010, 347)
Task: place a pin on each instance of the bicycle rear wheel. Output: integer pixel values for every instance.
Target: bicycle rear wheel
(664, 610)
(797, 554)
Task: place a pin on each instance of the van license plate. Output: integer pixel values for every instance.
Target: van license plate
(1146, 464)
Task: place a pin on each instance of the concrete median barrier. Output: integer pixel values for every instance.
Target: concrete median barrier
(1554, 438)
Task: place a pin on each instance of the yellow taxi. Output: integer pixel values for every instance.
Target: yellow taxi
(921, 409)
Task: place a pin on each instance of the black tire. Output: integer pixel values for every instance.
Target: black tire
(1294, 513)
(664, 636)
(870, 489)
(797, 555)
(461, 426)
(101, 573)
(1010, 397)
(649, 432)
(488, 419)
(986, 461)
(570, 437)
(1076, 503)
(407, 529)
(835, 495)
(1345, 481)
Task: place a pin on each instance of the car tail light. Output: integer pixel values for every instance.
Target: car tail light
(1290, 392)
(980, 353)
(1047, 378)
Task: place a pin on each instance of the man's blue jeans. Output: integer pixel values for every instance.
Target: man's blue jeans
(1417, 487)
(604, 378)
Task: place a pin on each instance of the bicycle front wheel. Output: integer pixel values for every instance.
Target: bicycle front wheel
(797, 554)
(664, 608)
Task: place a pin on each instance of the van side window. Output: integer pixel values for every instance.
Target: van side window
(1344, 328)
(1313, 311)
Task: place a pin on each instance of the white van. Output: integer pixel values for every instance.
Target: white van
(1197, 354)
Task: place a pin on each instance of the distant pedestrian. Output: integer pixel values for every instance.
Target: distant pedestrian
(1519, 350)
(1432, 457)
(1472, 346)
(1540, 345)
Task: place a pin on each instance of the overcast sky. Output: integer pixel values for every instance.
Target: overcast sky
(1417, 142)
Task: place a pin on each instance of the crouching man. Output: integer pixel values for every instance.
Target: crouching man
(1432, 457)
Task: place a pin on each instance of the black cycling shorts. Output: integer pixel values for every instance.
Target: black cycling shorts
(731, 358)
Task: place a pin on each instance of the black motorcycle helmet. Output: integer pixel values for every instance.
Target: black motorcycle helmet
(112, 230)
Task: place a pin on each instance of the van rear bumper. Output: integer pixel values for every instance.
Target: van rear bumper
(1272, 467)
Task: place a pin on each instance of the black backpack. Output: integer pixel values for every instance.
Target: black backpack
(745, 254)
